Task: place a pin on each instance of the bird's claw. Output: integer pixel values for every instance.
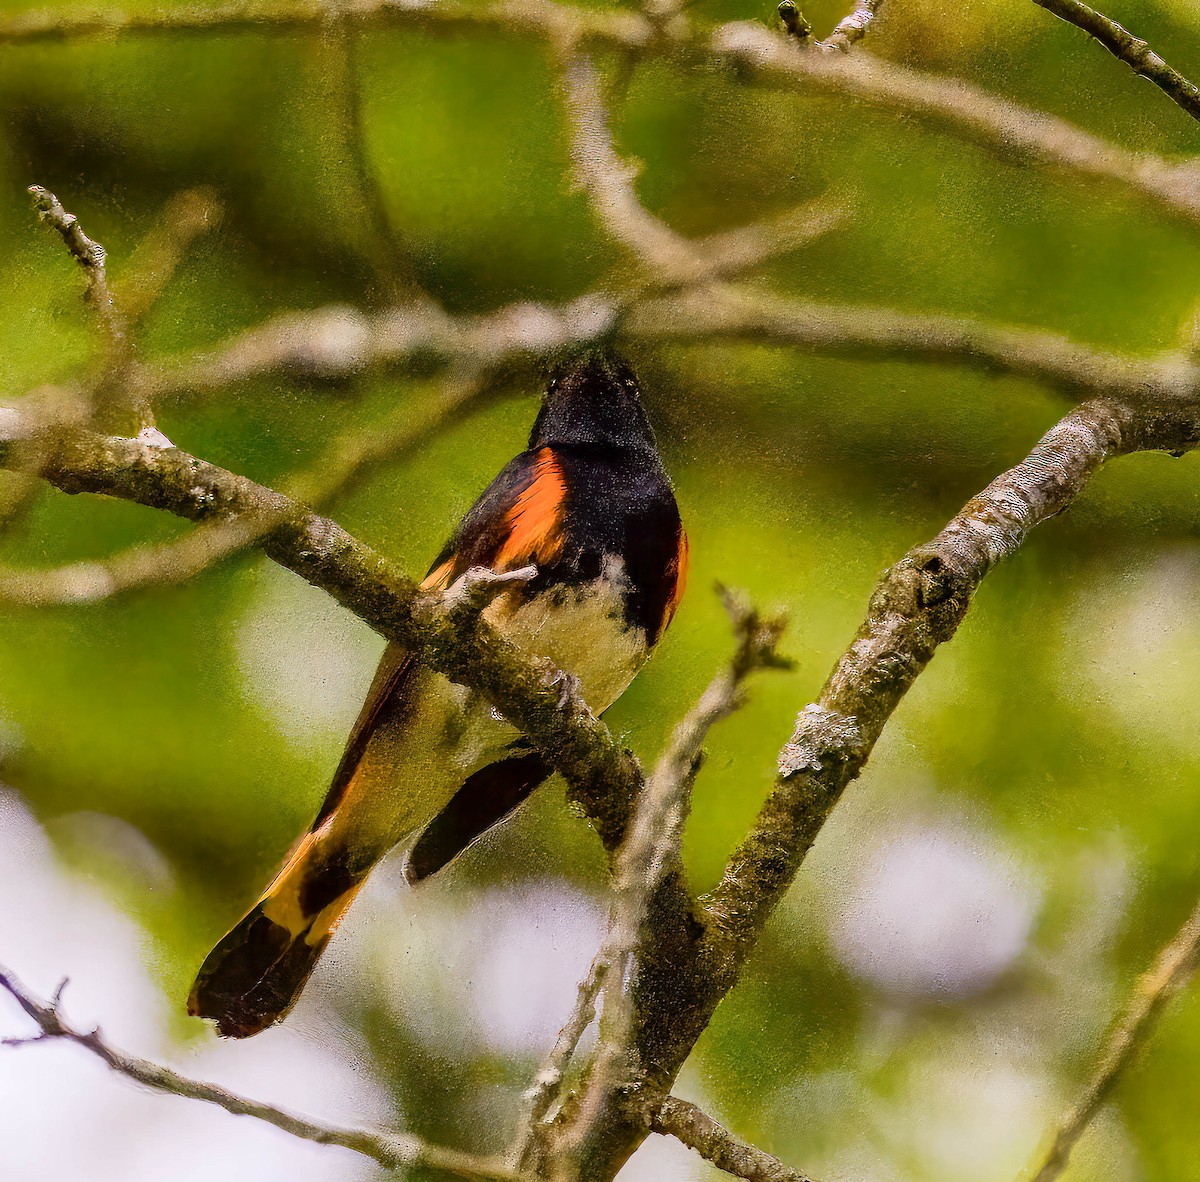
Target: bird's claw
(569, 687)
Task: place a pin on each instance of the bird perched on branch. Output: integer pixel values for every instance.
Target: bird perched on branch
(589, 507)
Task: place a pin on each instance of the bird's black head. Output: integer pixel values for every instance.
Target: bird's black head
(593, 399)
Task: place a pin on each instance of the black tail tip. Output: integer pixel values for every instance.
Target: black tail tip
(252, 978)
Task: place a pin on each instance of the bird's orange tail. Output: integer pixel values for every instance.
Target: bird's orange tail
(253, 977)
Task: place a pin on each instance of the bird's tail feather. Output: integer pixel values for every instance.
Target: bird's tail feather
(253, 977)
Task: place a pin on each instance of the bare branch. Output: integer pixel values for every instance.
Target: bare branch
(963, 109)
(342, 468)
(715, 1143)
(392, 1150)
(886, 334)
(1171, 971)
(853, 28)
(651, 849)
(1134, 52)
(338, 341)
(917, 606)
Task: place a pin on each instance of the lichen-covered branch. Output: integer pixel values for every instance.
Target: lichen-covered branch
(1171, 971)
(603, 776)
(1131, 50)
(853, 28)
(712, 1141)
(394, 1150)
(651, 850)
(918, 605)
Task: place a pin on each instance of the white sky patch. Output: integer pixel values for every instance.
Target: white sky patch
(932, 911)
(303, 659)
(500, 966)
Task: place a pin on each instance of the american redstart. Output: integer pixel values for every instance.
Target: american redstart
(590, 506)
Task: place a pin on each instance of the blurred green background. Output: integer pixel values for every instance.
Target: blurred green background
(931, 994)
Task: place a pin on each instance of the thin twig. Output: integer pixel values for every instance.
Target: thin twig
(712, 1141)
(651, 848)
(1133, 51)
(1171, 971)
(394, 1150)
(609, 181)
(853, 28)
(547, 1083)
(91, 258)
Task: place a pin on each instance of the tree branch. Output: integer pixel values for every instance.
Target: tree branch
(1131, 50)
(395, 1151)
(1001, 126)
(339, 341)
(651, 850)
(1171, 971)
(962, 109)
(345, 464)
(457, 642)
(917, 606)
(853, 28)
(715, 1143)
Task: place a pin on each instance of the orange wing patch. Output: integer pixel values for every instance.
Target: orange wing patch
(681, 577)
(438, 579)
(535, 521)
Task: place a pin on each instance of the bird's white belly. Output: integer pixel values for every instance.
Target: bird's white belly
(452, 731)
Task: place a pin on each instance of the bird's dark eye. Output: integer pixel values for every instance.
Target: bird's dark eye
(552, 387)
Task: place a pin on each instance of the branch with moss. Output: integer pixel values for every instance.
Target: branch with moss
(712, 1141)
(684, 973)
(1131, 50)
(1173, 968)
(853, 28)
(393, 1150)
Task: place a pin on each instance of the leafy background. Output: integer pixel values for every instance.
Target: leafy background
(930, 995)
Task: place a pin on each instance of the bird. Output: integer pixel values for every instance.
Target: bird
(590, 508)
